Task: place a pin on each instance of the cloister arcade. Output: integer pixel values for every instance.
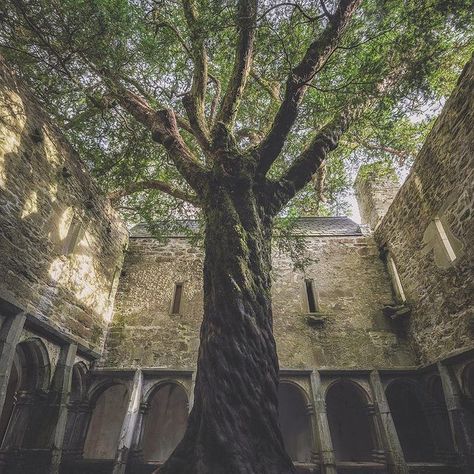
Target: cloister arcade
(332, 421)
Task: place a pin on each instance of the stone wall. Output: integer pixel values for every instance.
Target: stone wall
(61, 245)
(349, 330)
(437, 198)
(375, 187)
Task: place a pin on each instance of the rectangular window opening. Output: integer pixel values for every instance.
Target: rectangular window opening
(74, 235)
(178, 293)
(445, 240)
(312, 306)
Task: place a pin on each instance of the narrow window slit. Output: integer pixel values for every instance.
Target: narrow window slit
(312, 306)
(178, 293)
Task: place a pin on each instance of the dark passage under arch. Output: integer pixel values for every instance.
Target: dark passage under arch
(295, 422)
(410, 422)
(349, 423)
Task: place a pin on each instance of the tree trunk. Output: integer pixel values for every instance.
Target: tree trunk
(233, 426)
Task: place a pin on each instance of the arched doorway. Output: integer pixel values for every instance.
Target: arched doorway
(410, 421)
(295, 422)
(106, 422)
(350, 424)
(20, 421)
(165, 422)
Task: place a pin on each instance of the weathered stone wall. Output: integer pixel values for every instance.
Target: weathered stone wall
(375, 189)
(60, 242)
(440, 185)
(349, 279)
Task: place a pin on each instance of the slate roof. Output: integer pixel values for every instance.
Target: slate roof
(327, 226)
(311, 226)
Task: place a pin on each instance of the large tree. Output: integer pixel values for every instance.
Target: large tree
(226, 110)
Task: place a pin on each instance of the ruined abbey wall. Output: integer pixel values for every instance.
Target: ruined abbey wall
(61, 244)
(351, 287)
(437, 198)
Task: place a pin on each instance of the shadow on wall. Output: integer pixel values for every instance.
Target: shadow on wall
(47, 261)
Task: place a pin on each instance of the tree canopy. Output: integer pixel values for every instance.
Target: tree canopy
(218, 61)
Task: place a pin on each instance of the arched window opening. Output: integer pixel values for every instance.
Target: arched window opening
(165, 422)
(28, 382)
(295, 422)
(410, 422)
(349, 423)
(106, 423)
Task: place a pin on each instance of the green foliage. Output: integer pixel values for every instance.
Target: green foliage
(64, 48)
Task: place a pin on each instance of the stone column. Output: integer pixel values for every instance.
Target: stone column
(310, 412)
(323, 435)
(61, 385)
(461, 428)
(137, 449)
(395, 460)
(128, 426)
(10, 333)
(191, 395)
(378, 451)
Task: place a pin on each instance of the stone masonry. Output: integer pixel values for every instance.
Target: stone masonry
(439, 188)
(60, 241)
(350, 284)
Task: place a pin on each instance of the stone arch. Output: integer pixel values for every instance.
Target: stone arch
(407, 403)
(295, 421)
(35, 367)
(78, 383)
(109, 402)
(165, 420)
(27, 385)
(350, 422)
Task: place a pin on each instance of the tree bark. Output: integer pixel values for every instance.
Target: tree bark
(233, 426)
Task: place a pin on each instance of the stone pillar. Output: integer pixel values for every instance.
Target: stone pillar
(61, 386)
(395, 460)
(137, 450)
(128, 426)
(461, 428)
(378, 452)
(191, 395)
(375, 188)
(323, 435)
(10, 333)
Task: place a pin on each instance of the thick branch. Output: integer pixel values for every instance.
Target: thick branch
(246, 21)
(164, 129)
(154, 184)
(297, 83)
(301, 171)
(194, 102)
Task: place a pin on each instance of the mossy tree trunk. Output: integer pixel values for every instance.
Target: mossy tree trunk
(233, 426)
